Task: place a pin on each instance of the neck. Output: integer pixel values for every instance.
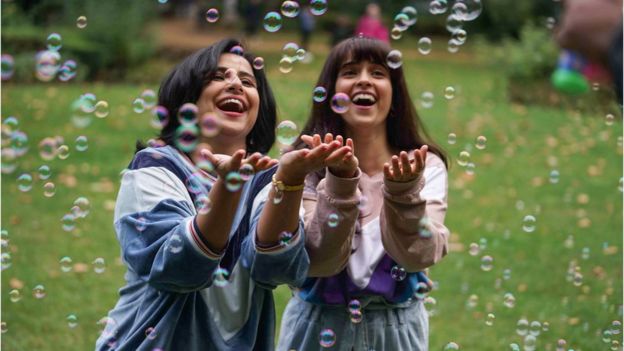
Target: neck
(371, 149)
(224, 146)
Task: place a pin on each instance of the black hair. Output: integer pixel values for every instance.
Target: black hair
(185, 83)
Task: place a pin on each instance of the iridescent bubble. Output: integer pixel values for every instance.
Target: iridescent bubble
(175, 244)
(210, 125)
(401, 21)
(54, 41)
(160, 117)
(318, 7)
(426, 99)
(474, 249)
(354, 305)
(528, 223)
(203, 205)
(15, 295)
(48, 149)
(529, 342)
(449, 93)
(615, 345)
(535, 328)
(290, 9)
(150, 333)
(606, 336)
(459, 36)
(459, 9)
(332, 220)
(424, 45)
(47, 64)
(24, 182)
(99, 265)
(87, 102)
(101, 109)
(356, 316)
(285, 238)
(474, 9)
(81, 22)
(287, 132)
(194, 183)
(258, 63)
(509, 300)
(553, 177)
(424, 228)
(421, 291)
(5, 260)
(81, 143)
(66, 264)
(272, 22)
(212, 15)
(186, 137)
(451, 346)
(489, 320)
(398, 273)
(453, 46)
(319, 94)
(396, 33)
(49, 189)
(7, 66)
(514, 347)
(487, 263)
(286, 64)
(577, 279)
(39, 291)
(550, 22)
(237, 50)
(340, 103)
(394, 59)
(452, 138)
(300, 54)
(149, 98)
(472, 301)
(545, 326)
(233, 181)
(220, 277)
(430, 304)
(19, 143)
(522, 327)
(82, 207)
(616, 327)
(609, 119)
(411, 14)
(453, 23)
(481, 142)
(437, 7)
(72, 321)
(246, 171)
(464, 158)
(68, 222)
(68, 71)
(327, 338)
(140, 224)
(138, 105)
(290, 49)
(11, 123)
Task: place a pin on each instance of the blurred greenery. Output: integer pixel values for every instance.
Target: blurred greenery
(578, 228)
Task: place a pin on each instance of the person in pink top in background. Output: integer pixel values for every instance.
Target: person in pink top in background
(370, 24)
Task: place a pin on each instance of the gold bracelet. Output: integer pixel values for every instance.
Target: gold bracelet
(280, 186)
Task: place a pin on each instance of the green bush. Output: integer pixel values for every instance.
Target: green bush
(116, 39)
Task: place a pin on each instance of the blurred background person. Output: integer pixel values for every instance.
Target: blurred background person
(593, 28)
(370, 24)
(307, 24)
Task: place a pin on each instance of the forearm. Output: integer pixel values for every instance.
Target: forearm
(216, 224)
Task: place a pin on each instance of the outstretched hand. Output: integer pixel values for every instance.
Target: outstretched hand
(295, 165)
(224, 164)
(342, 162)
(402, 169)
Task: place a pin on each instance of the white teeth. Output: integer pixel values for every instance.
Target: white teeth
(363, 96)
(234, 101)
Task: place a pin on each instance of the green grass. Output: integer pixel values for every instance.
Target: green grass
(511, 180)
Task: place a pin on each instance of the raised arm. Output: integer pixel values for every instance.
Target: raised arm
(412, 217)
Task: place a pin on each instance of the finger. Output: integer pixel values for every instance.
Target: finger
(308, 140)
(205, 153)
(396, 167)
(340, 139)
(328, 138)
(262, 163)
(253, 159)
(337, 155)
(317, 140)
(405, 163)
(386, 171)
(350, 143)
(424, 149)
(237, 158)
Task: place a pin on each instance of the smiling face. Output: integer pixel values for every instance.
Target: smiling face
(231, 97)
(370, 90)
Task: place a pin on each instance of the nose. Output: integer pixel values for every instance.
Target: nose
(363, 79)
(233, 82)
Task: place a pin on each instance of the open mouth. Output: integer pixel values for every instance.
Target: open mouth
(231, 105)
(363, 99)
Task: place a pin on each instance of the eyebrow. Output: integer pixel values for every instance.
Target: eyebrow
(240, 73)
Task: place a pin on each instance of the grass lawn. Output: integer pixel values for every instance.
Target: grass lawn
(567, 273)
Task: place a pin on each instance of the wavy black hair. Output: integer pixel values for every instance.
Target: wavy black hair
(187, 80)
(405, 130)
